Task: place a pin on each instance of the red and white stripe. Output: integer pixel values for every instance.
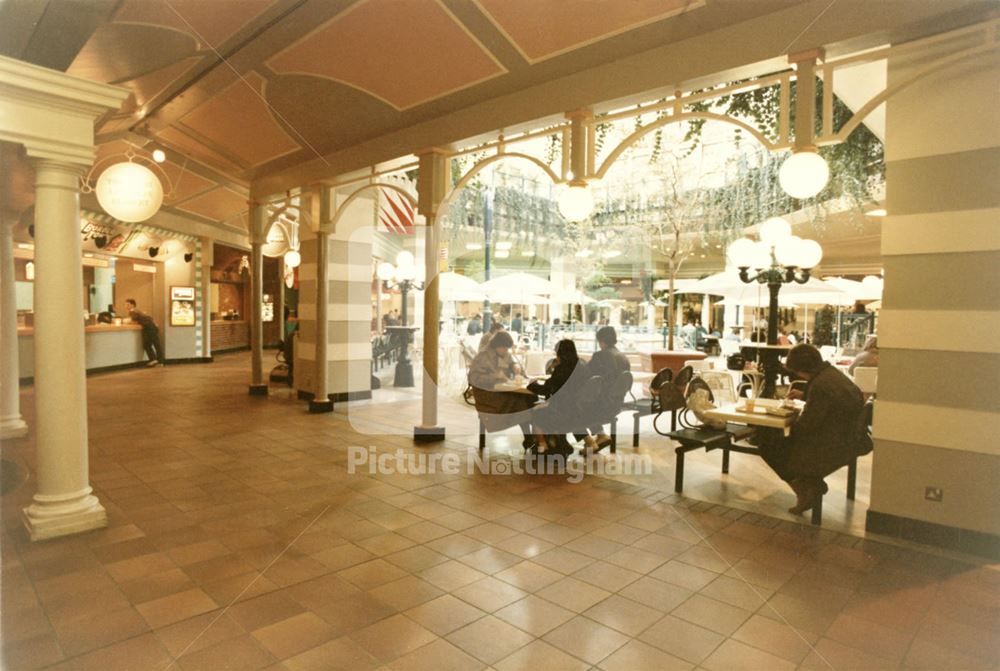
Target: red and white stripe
(396, 213)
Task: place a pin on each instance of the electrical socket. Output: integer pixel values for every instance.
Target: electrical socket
(935, 494)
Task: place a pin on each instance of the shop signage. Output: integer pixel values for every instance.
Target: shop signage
(277, 241)
(129, 192)
(182, 306)
(267, 309)
(98, 236)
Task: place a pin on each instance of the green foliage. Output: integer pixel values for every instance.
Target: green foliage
(822, 333)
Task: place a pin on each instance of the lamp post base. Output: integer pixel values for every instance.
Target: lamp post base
(428, 434)
(404, 374)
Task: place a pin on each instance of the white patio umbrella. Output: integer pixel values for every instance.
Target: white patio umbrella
(729, 285)
(574, 297)
(762, 302)
(533, 284)
(455, 287)
(837, 298)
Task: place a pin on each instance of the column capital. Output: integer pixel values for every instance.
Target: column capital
(807, 56)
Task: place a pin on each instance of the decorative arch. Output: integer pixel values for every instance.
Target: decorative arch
(677, 118)
(478, 167)
(374, 185)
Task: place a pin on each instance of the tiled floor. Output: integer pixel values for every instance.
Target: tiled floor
(238, 540)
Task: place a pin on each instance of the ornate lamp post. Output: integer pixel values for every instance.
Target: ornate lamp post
(778, 258)
(406, 276)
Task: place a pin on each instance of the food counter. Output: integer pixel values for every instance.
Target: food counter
(107, 346)
(230, 334)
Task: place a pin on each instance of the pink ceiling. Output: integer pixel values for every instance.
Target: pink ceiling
(376, 46)
(219, 204)
(238, 120)
(544, 28)
(212, 22)
(145, 88)
(183, 183)
(185, 144)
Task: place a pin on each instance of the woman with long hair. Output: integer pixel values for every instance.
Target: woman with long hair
(562, 413)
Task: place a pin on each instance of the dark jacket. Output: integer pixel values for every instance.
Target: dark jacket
(143, 320)
(830, 431)
(609, 364)
(563, 412)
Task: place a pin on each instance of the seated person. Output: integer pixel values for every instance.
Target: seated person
(867, 357)
(608, 363)
(826, 436)
(495, 326)
(562, 413)
(499, 409)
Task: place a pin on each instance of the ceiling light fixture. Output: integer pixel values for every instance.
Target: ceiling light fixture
(878, 212)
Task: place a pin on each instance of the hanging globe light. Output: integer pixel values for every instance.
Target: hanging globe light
(292, 258)
(774, 229)
(129, 192)
(740, 253)
(788, 251)
(803, 174)
(576, 202)
(810, 254)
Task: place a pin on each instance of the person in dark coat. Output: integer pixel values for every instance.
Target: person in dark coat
(517, 324)
(827, 435)
(150, 333)
(608, 363)
(562, 413)
(475, 325)
(500, 409)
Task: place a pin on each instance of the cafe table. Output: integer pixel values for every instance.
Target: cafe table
(738, 413)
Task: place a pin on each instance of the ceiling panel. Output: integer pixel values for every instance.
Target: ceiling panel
(211, 22)
(542, 29)
(376, 47)
(218, 204)
(185, 144)
(118, 53)
(239, 121)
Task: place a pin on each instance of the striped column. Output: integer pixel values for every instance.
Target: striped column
(937, 417)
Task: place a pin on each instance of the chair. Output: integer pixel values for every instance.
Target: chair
(698, 365)
(866, 377)
(721, 385)
(613, 401)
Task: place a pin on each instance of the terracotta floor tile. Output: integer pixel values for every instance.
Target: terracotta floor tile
(322, 591)
(405, 593)
(392, 637)
(490, 560)
(343, 556)
(682, 639)
(341, 654)
(573, 594)
(90, 605)
(141, 652)
(685, 575)
(712, 614)
(736, 592)
(638, 656)
(73, 583)
(416, 559)
(529, 576)
(586, 639)
(451, 575)
(489, 639)
(198, 632)
(264, 610)
(521, 521)
(371, 574)
(176, 607)
(138, 567)
(541, 655)
(876, 639)
(489, 594)
(439, 655)
(829, 653)
(607, 576)
(91, 632)
(243, 653)
(456, 545)
(535, 615)
(298, 633)
(354, 612)
(31, 653)
(776, 637)
(563, 560)
(457, 520)
(196, 552)
(423, 532)
(736, 656)
(292, 570)
(624, 615)
(444, 614)
(524, 545)
(238, 587)
(385, 544)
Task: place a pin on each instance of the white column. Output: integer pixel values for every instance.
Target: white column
(432, 316)
(258, 387)
(63, 503)
(11, 423)
(321, 394)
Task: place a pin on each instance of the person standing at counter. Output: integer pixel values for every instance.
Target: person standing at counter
(150, 333)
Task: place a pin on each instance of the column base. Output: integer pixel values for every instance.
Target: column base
(428, 434)
(13, 427)
(258, 390)
(317, 407)
(52, 519)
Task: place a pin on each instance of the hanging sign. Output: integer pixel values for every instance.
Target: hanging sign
(129, 192)
(277, 241)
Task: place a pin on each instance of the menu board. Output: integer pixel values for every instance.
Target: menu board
(182, 306)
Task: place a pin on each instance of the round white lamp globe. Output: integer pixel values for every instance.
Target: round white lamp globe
(810, 254)
(385, 271)
(740, 253)
(761, 256)
(576, 202)
(803, 174)
(774, 229)
(404, 259)
(292, 258)
(129, 192)
(786, 251)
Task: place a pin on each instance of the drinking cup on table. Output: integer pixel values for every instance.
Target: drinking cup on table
(750, 404)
